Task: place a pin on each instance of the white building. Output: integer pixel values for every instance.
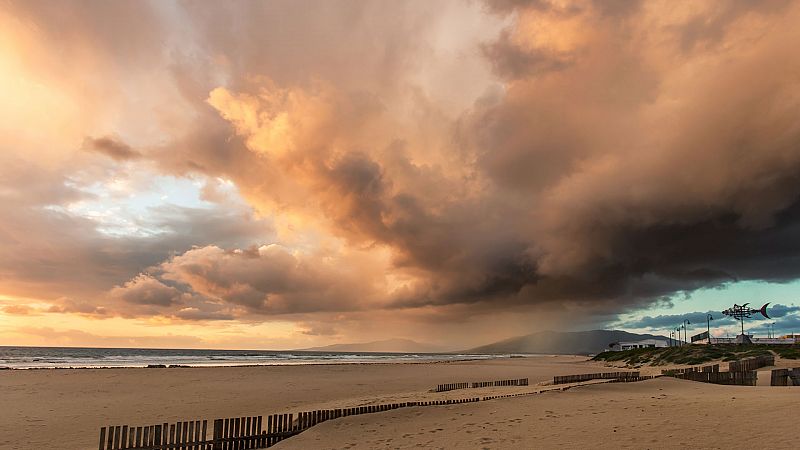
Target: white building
(783, 340)
(647, 343)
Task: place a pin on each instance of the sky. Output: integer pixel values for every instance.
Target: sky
(289, 174)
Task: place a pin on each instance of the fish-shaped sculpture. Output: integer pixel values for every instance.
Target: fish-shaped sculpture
(739, 312)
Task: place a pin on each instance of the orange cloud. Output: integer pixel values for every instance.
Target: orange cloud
(558, 155)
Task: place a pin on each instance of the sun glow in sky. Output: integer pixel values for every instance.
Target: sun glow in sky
(277, 175)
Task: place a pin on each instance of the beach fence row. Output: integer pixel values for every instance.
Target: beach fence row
(479, 384)
(744, 378)
(239, 432)
(672, 372)
(562, 379)
(254, 432)
(785, 377)
(227, 434)
(754, 363)
(711, 374)
(633, 379)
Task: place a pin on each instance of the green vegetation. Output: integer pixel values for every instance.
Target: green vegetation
(787, 352)
(697, 354)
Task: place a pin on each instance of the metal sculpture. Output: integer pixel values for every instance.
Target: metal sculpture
(741, 312)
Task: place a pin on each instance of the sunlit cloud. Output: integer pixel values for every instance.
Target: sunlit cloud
(224, 170)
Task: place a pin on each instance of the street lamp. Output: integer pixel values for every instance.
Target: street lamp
(678, 333)
(685, 337)
(709, 318)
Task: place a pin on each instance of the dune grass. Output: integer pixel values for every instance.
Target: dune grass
(697, 354)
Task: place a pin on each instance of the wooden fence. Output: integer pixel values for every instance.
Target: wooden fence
(785, 377)
(751, 363)
(480, 384)
(779, 377)
(744, 378)
(712, 368)
(254, 432)
(711, 374)
(672, 372)
(794, 376)
(238, 432)
(633, 379)
(593, 376)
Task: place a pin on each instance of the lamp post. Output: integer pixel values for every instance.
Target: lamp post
(685, 337)
(678, 333)
(709, 318)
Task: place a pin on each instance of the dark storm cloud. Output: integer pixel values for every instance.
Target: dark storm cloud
(627, 152)
(510, 61)
(504, 6)
(710, 29)
(626, 205)
(111, 147)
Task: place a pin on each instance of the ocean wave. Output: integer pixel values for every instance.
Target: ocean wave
(64, 357)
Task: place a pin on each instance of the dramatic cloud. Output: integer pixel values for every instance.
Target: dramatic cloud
(63, 236)
(147, 290)
(616, 165)
(270, 279)
(416, 161)
(112, 148)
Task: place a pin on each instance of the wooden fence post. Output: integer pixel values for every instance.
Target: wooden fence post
(102, 438)
(216, 435)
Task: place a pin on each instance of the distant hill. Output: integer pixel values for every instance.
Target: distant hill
(562, 343)
(388, 345)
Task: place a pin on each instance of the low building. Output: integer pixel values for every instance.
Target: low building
(783, 340)
(646, 343)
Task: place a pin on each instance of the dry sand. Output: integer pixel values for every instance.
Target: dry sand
(69, 406)
(661, 413)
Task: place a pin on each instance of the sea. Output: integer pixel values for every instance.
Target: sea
(78, 357)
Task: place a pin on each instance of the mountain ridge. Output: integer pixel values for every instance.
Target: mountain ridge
(562, 342)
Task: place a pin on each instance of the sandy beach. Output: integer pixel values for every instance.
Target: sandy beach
(374, 224)
(70, 405)
(656, 414)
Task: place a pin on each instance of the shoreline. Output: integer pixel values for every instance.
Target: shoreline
(213, 366)
(344, 358)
